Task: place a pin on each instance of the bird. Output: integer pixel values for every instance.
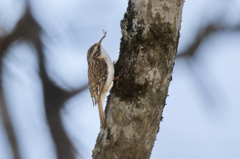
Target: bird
(100, 75)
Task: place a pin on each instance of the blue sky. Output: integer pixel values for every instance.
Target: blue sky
(194, 125)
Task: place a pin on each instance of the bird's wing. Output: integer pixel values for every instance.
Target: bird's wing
(98, 75)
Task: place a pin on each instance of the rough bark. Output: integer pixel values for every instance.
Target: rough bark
(150, 33)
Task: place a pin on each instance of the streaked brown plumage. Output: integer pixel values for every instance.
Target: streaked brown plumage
(100, 75)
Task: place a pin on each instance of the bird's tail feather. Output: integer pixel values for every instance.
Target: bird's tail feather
(101, 113)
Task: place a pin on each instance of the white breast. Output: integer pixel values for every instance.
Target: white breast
(110, 68)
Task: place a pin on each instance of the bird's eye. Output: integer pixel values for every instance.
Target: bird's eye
(97, 54)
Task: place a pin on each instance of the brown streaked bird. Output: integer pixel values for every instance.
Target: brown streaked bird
(100, 75)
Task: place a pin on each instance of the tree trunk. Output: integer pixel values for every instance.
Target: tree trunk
(150, 33)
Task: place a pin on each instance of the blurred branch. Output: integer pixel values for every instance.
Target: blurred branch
(205, 33)
(54, 97)
(8, 123)
(189, 53)
(202, 86)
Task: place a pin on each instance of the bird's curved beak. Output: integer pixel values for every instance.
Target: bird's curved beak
(104, 35)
